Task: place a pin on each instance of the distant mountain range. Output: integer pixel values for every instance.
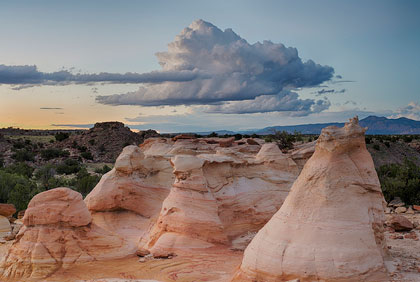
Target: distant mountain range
(375, 125)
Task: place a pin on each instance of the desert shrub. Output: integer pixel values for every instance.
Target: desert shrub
(284, 139)
(60, 136)
(19, 145)
(103, 170)
(69, 166)
(387, 144)
(297, 136)
(376, 147)
(20, 195)
(407, 138)
(52, 153)
(82, 148)
(213, 134)
(368, 139)
(87, 155)
(16, 189)
(401, 180)
(20, 168)
(23, 155)
(238, 136)
(102, 148)
(255, 135)
(44, 173)
(92, 142)
(85, 182)
(268, 139)
(55, 182)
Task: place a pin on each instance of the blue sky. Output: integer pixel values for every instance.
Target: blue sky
(372, 46)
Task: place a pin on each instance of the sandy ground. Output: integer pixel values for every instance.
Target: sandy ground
(218, 264)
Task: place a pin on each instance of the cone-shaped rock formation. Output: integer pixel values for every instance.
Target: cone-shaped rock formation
(330, 227)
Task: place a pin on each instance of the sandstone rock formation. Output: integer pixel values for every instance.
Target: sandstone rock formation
(131, 194)
(219, 194)
(5, 227)
(7, 210)
(400, 223)
(330, 227)
(57, 233)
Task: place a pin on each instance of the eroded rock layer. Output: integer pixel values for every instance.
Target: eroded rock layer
(57, 233)
(219, 195)
(330, 227)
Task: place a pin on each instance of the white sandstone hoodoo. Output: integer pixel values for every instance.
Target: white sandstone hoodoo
(330, 227)
(57, 233)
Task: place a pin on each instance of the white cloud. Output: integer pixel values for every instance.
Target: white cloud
(230, 70)
(411, 111)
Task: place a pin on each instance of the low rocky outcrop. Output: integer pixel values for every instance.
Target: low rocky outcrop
(7, 210)
(57, 233)
(330, 227)
(218, 194)
(5, 227)
(400, 223)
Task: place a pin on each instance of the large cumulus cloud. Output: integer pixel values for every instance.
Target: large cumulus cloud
(257, 76)
(285, 101)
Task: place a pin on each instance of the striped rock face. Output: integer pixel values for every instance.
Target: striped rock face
(57, 233)
(330, 227)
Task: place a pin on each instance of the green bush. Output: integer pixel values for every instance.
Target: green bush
(103, 170)
(407, 138)
(284, 139)
(23, 155)
(69, 166)
(401, 180)
(20, 168)
(20, 195)
(87, 155)
(44, 174)
(376, 147)
(16, 189)
(52, 153)
(238, 136)
(85, 182)
(60, 136)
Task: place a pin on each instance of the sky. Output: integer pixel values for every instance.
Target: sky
(207, 65)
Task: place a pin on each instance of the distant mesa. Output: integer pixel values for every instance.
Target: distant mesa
(375, 125)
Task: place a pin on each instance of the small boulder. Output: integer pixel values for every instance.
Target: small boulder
(226, 142)
(5, 227)
(396, 202)
(7, 210)
(400, 223)
(142, 252)
(401, 210)
(251, 141)
(183, 136)
(410, 210)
